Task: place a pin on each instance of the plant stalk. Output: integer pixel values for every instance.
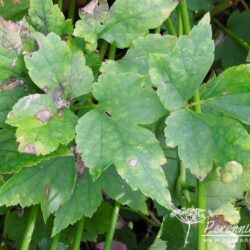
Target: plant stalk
(201, 188)
(170, 27)
(54, 242)
(30, 228)
(110, 235)
(72, 8)
(103, 50)
(233, 35)
(179, 22)
(78, 234)
(60, 4)
(112, 52)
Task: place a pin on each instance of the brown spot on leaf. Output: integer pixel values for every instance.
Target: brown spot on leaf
(79, 162)
(43, 115)
(46, 191)
(30, 149)
(108, 114)
(133, 162)
(12, 84)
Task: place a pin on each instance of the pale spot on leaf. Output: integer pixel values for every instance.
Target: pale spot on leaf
(43, 115)
(30, 149)
(133, 163)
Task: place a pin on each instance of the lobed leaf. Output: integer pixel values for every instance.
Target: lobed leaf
(179, 74)
(134, 151)
(128, 97)
(84, 201)
(229, 93)
(51, 182)
(137, 58)
(59, 67)
(202, 139)
(125, 21)
(41, 124)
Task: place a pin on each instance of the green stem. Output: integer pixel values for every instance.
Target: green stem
(170, 27)
(202, 205)
(111, 231)
(157, 30)
(179, 22)
(103, 50)
(185, 16)
(112, 52)
(30, 228)
(179, 185)
(72, 7)
(197, 108)
(233, 35)
(220, 8)
(60, 4)
(78, 234)
(54, 242)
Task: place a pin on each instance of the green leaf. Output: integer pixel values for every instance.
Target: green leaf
(180, 73)
(128, 97)
(46, 17)
(13, 161)
(60, 67)
(84, 201)
(228, 50)
(138, 55)
(14, 11)
(130, 19)
(134, 151)
(99, 223)
(200, 5)
(38, 119)
(229, 93)
(11, 44)
(202, 138)
(194, 139)
(7, 100)
(125, 21)
(221, 193)
(120, 191)
(16, 223)
(49, 183)
(92, 17)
